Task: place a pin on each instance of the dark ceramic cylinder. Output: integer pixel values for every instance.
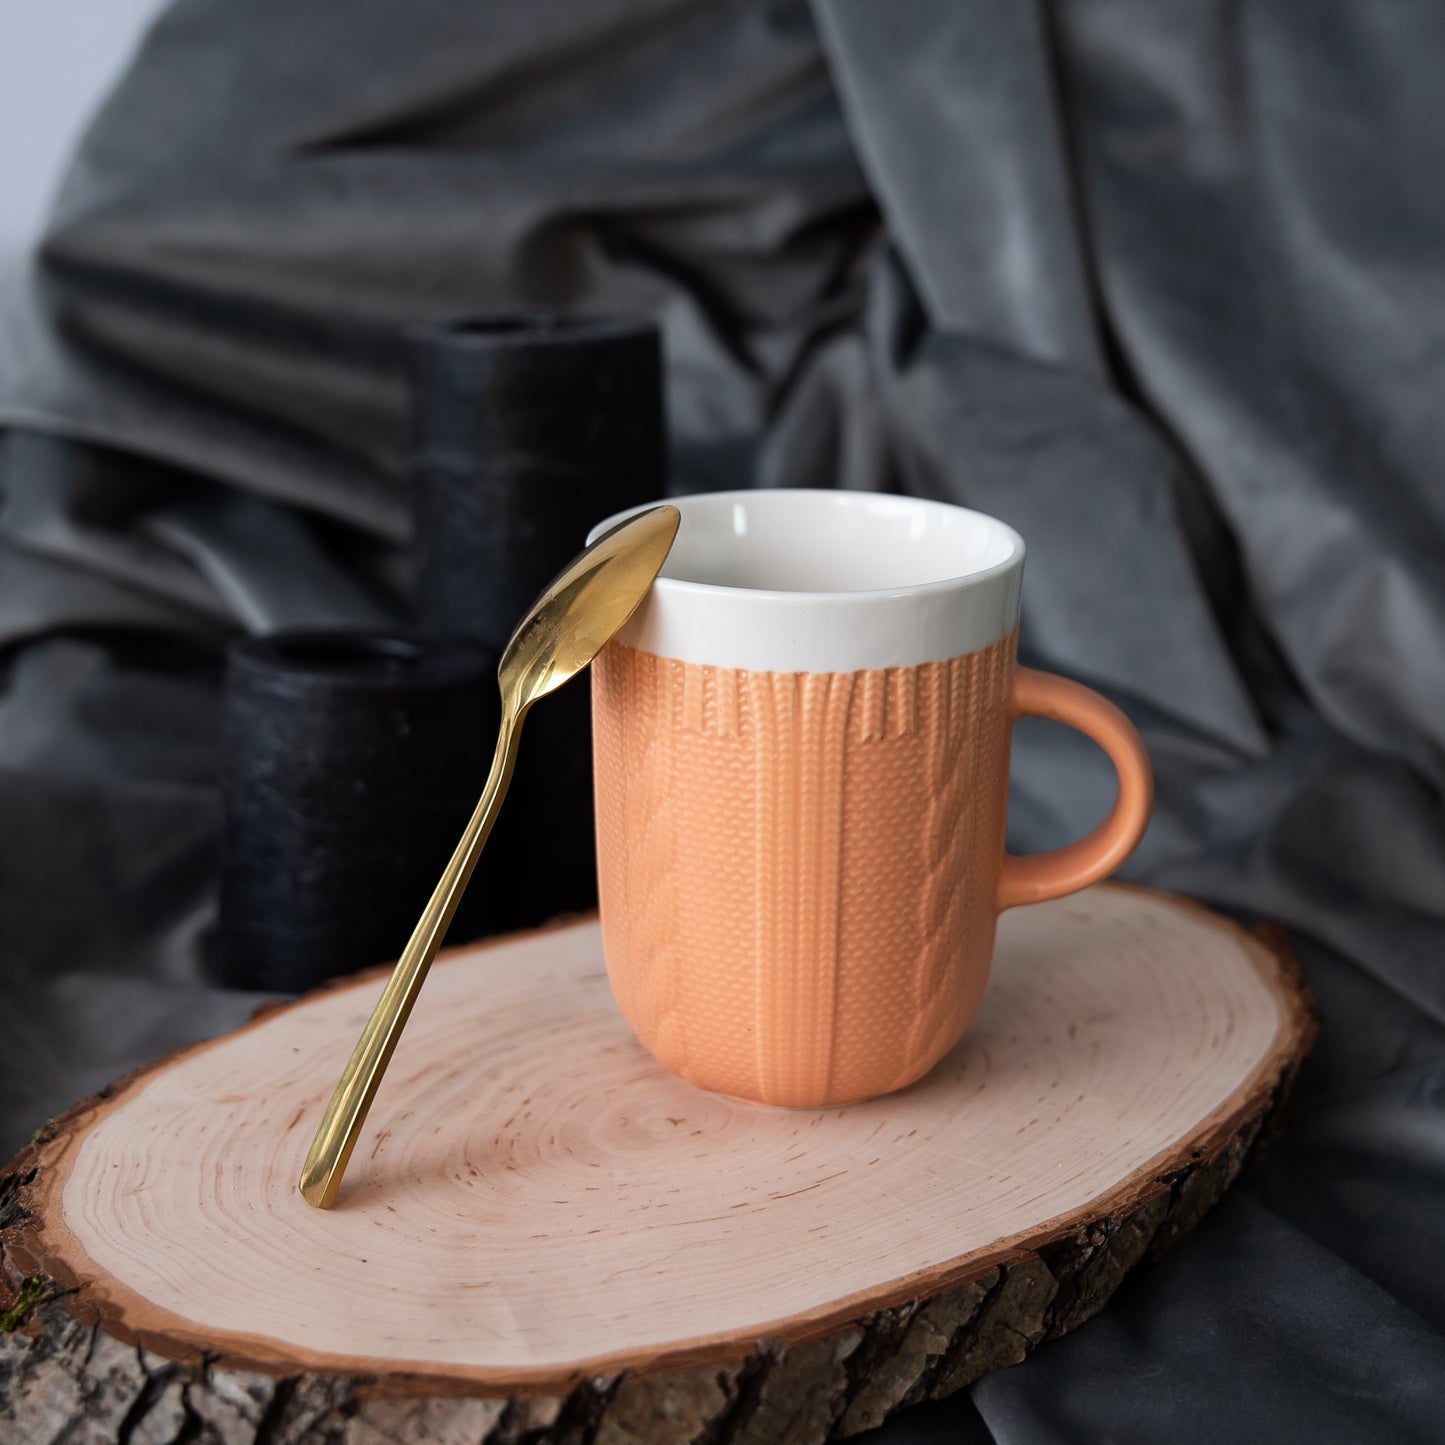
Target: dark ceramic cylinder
(527, 431)
(350, 763)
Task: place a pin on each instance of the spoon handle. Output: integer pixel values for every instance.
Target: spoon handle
(345, 1114)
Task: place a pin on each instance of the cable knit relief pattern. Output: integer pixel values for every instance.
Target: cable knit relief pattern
(799, 870)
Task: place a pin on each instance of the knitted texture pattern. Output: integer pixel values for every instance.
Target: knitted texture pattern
(798, 871)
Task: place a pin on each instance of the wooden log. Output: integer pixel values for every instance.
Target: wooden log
(544, 1237)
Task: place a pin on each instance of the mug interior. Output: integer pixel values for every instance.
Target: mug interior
(832, 542)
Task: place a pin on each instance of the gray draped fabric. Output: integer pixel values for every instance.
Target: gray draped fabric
(1162, 284)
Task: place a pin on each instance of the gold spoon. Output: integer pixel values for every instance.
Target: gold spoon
(568, 625)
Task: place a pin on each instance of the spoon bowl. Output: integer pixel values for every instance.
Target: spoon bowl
(585, 606)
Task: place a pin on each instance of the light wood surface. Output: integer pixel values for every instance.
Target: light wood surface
(538, 1209)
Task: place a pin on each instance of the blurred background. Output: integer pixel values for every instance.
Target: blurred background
(1160, 284)
(56, 62)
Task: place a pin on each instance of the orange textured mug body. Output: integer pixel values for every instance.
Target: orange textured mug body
(802, 863)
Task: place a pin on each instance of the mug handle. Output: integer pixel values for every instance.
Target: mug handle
(1066, 870)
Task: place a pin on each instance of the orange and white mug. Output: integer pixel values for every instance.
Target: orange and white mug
(802, 749)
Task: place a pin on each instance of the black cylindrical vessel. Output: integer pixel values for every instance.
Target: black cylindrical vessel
(527, 431)
(350, 763)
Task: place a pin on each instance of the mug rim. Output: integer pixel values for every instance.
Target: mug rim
(758, 629)
(830, 497)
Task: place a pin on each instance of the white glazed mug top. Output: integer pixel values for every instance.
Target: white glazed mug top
(827, 581)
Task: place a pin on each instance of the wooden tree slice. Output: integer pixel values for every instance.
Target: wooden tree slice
(545, 1236)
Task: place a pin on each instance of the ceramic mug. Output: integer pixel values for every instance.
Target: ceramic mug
(801, 749)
